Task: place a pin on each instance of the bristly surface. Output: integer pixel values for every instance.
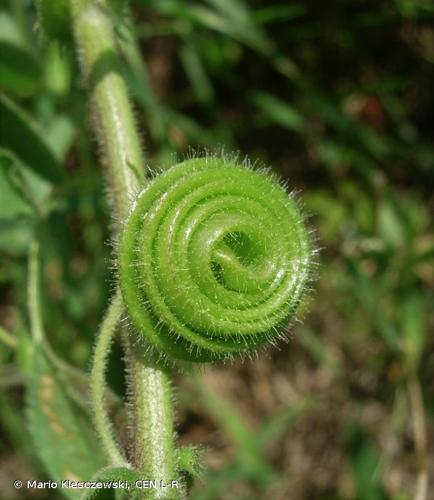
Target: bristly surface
(214, 260)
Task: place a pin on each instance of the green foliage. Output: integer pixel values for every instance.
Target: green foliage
(278, 112)
(55, 19)
(20, 70)
(115, 474)
(13, 205)
(16, 211)
(189, 462)
(18, 128)
(61, 431)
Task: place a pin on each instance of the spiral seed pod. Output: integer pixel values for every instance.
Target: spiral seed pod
(214, 260)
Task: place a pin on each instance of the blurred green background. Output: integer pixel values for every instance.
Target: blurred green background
(335, 96)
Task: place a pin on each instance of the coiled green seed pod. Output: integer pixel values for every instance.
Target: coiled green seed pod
(214, 260)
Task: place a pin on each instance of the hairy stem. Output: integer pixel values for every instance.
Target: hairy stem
(114, 123)
(112, 114)
(154, 445)
(102, 349)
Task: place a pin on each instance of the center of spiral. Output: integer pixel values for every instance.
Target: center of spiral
(243, 247)
(236, 262)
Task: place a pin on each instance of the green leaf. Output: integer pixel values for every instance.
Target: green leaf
(57, 70)
(279, 13)
(9, 29)
(196, 73)
(20, 134)
(318, 349)
(15, 236)
(369, 294)
(218, 482)
(278, 111)
(390, 225)
(414, 8)
(366, 466)
(123, 474)
(60, 135)
(331, 214)
(33, 190)
(13, 204)
(20, 72)
(55, 19)
(189, 464)
(63, 436)
(234, 17)
(414, 329)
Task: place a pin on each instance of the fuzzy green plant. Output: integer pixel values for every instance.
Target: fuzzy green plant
(213, 257)
(214, 260)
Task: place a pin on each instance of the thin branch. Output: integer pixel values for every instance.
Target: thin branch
(102, 349)
(33, 298)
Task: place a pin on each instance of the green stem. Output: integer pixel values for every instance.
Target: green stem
(36, 328)
(102, 348)
(153, 447)
(120, 146)
(39, 338)
(112, 114)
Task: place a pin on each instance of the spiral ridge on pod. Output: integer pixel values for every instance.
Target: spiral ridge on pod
(213, 260)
